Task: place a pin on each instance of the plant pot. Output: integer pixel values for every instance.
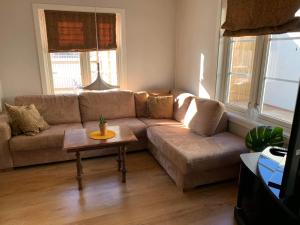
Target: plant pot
(103, 129)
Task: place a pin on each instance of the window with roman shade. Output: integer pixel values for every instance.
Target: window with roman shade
(259, 73)
(82, 47)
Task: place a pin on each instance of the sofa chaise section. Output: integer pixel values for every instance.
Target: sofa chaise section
(192, 160)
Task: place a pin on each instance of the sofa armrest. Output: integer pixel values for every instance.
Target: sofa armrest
(5, 136)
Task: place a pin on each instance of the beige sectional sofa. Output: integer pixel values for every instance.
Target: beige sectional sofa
(190, 159)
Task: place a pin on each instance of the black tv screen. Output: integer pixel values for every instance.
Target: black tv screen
(290, 187)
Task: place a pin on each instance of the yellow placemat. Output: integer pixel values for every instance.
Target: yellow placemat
(96, 135)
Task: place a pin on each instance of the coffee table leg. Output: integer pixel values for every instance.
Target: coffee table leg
(79, 170)
(119, 158)
(123, 164)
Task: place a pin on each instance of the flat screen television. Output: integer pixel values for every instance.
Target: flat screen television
(290, 186)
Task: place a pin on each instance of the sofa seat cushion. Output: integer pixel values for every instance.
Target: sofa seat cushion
(137, 127)
(48, 139)
(159, 122)
(192, 152)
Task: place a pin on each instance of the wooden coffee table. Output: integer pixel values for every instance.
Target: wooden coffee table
(77, 140)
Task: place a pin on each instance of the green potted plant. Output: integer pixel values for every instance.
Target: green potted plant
(102, 125)
(261, 137)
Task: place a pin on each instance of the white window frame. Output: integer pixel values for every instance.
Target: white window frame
(253, 114)
(42, 46)
(262, 76)
(83, 64)
(228, 73)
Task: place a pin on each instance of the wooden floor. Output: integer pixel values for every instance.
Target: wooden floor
(48, 195)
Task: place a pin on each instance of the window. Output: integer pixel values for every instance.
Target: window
(239, 74)
(66, 71)
(74, 70)
(262, 76)
(108, 66)
(282, 76)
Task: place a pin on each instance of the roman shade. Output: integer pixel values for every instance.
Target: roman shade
(260, 17)
(80, 31)
(106, 31)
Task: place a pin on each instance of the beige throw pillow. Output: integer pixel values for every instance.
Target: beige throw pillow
(141, 107)
(182, 101)
(26, 120)
(160, 107)
(204, 115)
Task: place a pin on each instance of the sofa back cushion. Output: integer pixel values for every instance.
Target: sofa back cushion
(205, 117)
(141, 99)
(110, 104)
(55, 109)
(182, 101)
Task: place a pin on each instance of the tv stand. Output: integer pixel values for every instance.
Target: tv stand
(258, 201)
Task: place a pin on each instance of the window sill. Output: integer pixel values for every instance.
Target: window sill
(241, 119)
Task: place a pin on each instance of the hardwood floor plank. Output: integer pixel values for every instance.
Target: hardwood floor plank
(48, 195)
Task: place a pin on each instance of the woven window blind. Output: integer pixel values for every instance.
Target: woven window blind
(106, 31)
(260, 17)
(77, 31)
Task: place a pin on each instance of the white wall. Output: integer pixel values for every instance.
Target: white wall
(197, 30)
(197, 43)
(150, 29)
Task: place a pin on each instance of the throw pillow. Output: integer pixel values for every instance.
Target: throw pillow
(141, 107)
(26, 120)
(204, 115)
(182, 101)
(160, 107)
(13, 118)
